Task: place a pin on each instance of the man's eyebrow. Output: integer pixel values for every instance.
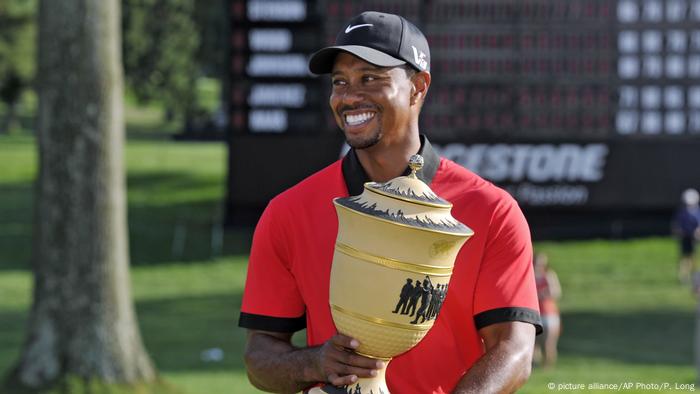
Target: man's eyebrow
(374, 68)
(367, 68)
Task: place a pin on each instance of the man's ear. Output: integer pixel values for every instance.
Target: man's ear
(421, 83)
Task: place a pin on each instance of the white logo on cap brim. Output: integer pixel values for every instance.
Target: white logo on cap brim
(420, 59)
(351, 28)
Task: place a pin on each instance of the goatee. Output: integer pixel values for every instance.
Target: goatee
(364, 143)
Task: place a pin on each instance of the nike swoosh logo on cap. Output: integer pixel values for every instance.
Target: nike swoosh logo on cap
(351, 28)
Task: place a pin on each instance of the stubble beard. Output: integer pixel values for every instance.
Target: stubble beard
(366, 142)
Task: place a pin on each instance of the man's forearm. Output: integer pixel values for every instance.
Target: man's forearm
(278, 366)
(498, 371)
(274, 364)
(504, 367)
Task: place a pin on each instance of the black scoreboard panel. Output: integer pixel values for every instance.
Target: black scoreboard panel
(578, 107)
(510, 69)
(273, 92)
(519, 69)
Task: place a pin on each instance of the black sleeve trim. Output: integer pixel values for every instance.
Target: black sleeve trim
(269, 323)
(501, 315)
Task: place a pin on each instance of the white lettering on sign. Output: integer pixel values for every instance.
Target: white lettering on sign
(276, 10)
(533, 163)
(292, 95)
(534, 195)
(288, 65)
(267, 121)
(270, 40)
(627, 11)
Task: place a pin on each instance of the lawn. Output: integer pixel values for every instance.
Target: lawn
(625, 317)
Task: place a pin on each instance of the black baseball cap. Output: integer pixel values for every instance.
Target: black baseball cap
(385, 40)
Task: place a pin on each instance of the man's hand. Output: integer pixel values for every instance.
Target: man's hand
(339, 365)
(274, 364)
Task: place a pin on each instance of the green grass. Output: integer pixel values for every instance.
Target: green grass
(625, 317)
(186, 302)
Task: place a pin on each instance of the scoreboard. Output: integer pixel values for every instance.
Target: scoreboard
(586, 111)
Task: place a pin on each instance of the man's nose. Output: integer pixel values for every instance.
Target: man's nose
(352, 95)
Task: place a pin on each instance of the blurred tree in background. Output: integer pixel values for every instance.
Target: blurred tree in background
(160, 44)
(168, 47)
(211, 18)
(17, 47)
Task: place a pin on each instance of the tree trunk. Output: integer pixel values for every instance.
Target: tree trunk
(82, 322)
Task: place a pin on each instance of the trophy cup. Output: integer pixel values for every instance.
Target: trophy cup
(396, 246)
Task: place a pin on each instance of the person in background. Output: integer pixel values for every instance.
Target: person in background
(686, 226)
(548, 293)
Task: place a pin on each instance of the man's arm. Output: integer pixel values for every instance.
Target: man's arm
(507, 362)
(275, 365)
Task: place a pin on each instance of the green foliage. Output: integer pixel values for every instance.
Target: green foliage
(211, 18)
(160, 41)
(17, 60)
(168, 46)
(17, 38)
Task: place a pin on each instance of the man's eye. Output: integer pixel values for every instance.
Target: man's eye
(369, 78)
(338, 82)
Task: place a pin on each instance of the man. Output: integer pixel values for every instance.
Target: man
(416, 294)
(426, 299)
(686, 226)
(483, 339)
(405, 295)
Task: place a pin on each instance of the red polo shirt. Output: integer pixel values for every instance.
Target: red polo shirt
(290, 262)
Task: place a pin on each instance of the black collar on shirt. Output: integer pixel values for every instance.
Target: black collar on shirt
(355, 176)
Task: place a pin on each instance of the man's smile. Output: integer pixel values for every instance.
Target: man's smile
(356, 119)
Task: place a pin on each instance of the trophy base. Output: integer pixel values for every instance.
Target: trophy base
(375, 385)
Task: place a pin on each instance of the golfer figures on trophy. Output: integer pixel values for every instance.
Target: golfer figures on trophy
(396, 246)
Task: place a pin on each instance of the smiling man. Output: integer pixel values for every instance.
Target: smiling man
(483, 338)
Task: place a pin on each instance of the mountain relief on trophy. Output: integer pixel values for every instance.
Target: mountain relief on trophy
(374, 209)
(349, 390)
(421, 299)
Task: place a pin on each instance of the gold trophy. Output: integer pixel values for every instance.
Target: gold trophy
(396, 246)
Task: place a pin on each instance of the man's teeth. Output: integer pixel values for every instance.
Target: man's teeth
(353, 120)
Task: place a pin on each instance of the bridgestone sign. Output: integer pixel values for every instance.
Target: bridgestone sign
(534, 163)
(613, 175)
(530, 166)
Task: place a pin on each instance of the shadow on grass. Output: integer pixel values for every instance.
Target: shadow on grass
(179, 217)
(175, 331)
(172, 217)
(644, 337)
(16, 205)
(12, 325)
(152, 132)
